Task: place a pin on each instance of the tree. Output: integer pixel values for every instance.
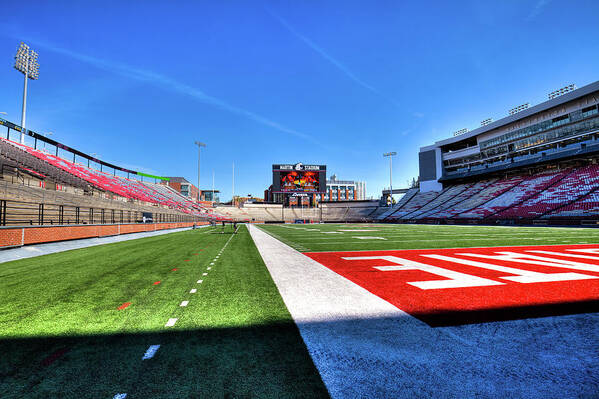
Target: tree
(415, 183)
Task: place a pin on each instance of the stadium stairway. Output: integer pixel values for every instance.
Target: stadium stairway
(446, 195)
(416, 202)
(402, 201)
(483, 197)
(442, 209)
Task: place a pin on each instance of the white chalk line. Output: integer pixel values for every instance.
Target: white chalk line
(171, 322)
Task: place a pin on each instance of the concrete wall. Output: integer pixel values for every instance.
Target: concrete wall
(17, 236)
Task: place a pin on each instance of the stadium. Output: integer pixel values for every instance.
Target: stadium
(480, 279)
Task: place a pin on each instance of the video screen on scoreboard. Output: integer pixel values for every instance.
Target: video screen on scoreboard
(299, 181)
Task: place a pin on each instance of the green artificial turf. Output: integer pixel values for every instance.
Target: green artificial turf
(332, 237)
(62, 335)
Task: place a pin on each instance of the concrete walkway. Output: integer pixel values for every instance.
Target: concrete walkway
(365, 347)
(30, 251)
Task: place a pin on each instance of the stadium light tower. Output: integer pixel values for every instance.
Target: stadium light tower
(200, 145)
(26, 63)
(390, 155)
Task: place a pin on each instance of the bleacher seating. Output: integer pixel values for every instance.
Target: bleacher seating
(585, 207)
(527, 188)
(402, 201)
(572, 192)
(554, 193)
(438, 203)
(82, 176)
(415, 203)
(495, 189)
(576, 184)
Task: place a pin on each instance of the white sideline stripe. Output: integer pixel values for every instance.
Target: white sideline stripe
(120, 396)
(184, 303)
(171, 322)
(339, 344)
(193, 291)
(150, 352)
(200, 281)
(323, 296)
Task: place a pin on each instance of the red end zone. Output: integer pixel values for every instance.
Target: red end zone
(472, 285)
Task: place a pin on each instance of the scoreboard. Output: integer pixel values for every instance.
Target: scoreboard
(299, 178)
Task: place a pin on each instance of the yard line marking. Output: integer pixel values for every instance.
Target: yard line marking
(156, 282)
(184, 303)
(171, 322)
(150, 352)
(204, 274)
(120, 396)
(193, 291)
(124, 306)
(200, 281)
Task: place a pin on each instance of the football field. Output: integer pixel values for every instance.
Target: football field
(286, 311)
(443, 311)
(183, 315)
(362, 237)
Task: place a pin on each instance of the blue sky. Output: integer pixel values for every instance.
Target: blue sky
(335, 83)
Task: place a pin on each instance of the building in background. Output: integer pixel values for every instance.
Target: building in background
(187, 189)
(210, 196)
(345, 190)
(184, 187)
(566, 127)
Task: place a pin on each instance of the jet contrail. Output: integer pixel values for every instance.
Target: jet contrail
(330, 58)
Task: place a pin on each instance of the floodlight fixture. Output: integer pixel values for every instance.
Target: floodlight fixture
(486, 121)
(200, 145)
(562, 91)
(459, 132)
(26, 63)
(390, 155)
(519, 108)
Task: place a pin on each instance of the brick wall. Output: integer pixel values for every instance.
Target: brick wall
(16, 236)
